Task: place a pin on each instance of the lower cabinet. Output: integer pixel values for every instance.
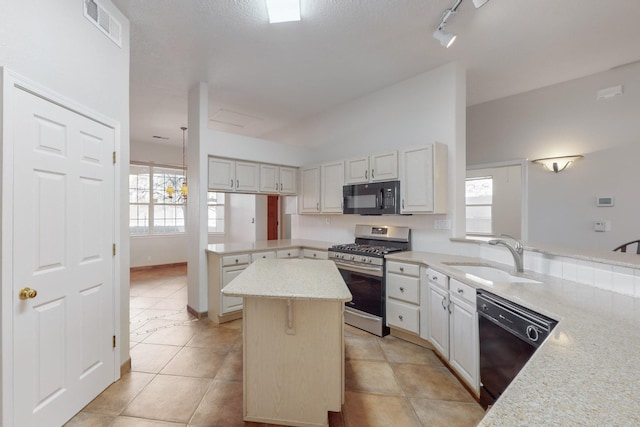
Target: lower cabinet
(221, 271)
(288, 253)
(403, 296)
(451, 323)
(230, 304)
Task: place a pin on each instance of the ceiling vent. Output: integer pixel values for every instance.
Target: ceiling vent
(99, 17)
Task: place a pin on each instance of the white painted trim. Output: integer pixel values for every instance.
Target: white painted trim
(9, 82)
(524, 168)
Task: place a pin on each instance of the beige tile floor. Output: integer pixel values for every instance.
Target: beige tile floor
(187, 372)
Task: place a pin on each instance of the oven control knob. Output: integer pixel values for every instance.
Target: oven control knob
(370, 260)
(364, 259)
(353, 257)
(532, 333)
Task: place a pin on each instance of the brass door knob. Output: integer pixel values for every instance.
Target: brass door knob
(27, 293)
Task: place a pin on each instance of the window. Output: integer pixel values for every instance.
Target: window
(151, 210)
(479, 200)
(215, 207)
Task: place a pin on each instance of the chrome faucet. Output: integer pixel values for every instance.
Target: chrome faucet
(516, 250)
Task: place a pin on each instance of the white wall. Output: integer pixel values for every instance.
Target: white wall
(420, 110)
(567, 119)
(53, 44)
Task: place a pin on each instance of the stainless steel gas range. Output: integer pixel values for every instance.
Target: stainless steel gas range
(362, 266)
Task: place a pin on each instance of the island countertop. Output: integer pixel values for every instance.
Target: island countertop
(290, 279)
(236, 247)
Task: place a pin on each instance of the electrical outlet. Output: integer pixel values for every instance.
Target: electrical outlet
(442, 224)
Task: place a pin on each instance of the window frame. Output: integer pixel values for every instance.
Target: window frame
(490, 205)
(224, 219)
(151, 204)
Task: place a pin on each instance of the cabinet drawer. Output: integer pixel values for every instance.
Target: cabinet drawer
(437, 278)
(314, 254)
(403, 316)
(263, 255)
(288, 253)
(403, 288)
(463, 291)
(238, 259)
(402, 268)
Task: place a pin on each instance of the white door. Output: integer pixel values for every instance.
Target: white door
(63, 209)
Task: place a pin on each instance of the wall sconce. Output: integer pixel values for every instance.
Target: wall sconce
(556, 164)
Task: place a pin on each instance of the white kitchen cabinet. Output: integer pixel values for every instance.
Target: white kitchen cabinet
(309, 196)
(314, 254)
(436, 310)
(378, 167)
(288, 180)
(288, 253)
(332, 180)
(464, 353)
(231, 175)
(277, 179)
(263, 255)
(222, 174)
(403, 296)
(423, 179)
(221, 271)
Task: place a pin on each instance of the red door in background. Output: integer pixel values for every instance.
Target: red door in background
(272, 217)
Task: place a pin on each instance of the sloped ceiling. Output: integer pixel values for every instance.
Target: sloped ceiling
(263, 76)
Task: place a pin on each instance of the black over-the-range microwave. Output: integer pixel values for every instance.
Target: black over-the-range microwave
(375, 198)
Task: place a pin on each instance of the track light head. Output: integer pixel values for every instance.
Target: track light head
(445, 39)
(479, 3)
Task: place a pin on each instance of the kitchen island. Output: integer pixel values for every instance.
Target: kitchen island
(293, 340)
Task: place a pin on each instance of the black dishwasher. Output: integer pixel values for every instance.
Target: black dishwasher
(509, 334)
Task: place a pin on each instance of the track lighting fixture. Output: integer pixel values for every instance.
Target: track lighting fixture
(447, 39)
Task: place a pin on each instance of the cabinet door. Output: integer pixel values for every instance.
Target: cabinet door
(356, 170)
(464, 354)
(247, 177)
(331, 187)
(229, 304)
(222, 174)
(416, 182)
(310, 197)
(287, 180)
(438, 325)
(384, 167)
(269, 179)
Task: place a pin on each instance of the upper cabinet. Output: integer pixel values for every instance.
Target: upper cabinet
(332, 180)
(231, 175)
(310, 190)
(249, 177)
(321, 188)
(277, 179)
(423, 179)
(379, 167)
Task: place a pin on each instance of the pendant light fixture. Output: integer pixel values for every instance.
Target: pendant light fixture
(184, 190)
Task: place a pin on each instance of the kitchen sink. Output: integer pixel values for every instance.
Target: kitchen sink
(490, 274)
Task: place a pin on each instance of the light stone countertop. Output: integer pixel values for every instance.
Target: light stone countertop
(267, 245)
(586, 373)
(290, 279)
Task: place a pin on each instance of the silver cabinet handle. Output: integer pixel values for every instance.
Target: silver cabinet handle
(365, 174)
(400, 317)
(237, 260)
(276, 186)
(280, 186)
(402, 203)
(372, 174)
(237, 184)
(401, 289)
(314, 255)
(318, 206)
(434, 278)
(444, 307)
(401, 268)
(460, 291)
(231, 183)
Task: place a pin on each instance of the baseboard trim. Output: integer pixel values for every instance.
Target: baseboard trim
(153, 267)
(125, 367)
(198, 315)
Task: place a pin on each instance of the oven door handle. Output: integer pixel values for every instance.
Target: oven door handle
(360, 269)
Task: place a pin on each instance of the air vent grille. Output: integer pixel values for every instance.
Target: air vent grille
(99, 16)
